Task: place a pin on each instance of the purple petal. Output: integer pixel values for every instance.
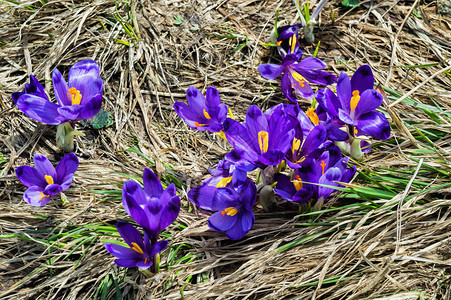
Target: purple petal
(374, 124)
(329, 102)
(152, 186)
(346, 118)
(369, 101)
(270, 71)
(40, 109)
(65, 170)
(128, 263)
(53, 189)
(84, 76)
(71, 112)
(86, 67)
(122, 252)
(158, 247)
(301, 87)
(190, 116)
(310, 63)
(130, 234)
(318, 76)
(203, 196)
(303, 195)
(133, 190)
(247, 220)
(255, 122)
(287, 88)
(222, 222)
(61, 89)
(237, 231)
(90, 108)
(170, 210)
(248, 193)
(315, 138)
(271, 157)
(29, 176)
(344, 91)
(35, 196)
(239, 138)
(196, 100)
(362, 79)
(329, 178)
(44, 166)
(213, 99)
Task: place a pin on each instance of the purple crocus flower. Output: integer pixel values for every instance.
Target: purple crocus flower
(81, 98)
(45, 181)
(154, 208)
(261, 141)
(288, 41)
(233, 207)
(302, 145)
(296, 75)
(227, 173)
(202, 113)
(328, 169)
(139, 252)
(355, 104)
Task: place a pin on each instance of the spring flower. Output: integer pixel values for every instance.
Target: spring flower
(227, 173)
(153, 208)
(328, 169)
(302, 146)
(44, 181)
(81, 98)
(139, 252)
(355, 104)
(232, 206)
(202, 113)
(260, 141)
(296, 75)
(288, 41)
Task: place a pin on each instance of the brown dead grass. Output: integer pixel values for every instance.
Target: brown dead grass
(394, 252)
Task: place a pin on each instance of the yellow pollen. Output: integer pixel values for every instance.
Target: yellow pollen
(198, 125)
(145, 260)
(75, 96)
(43, 196)
(292, 42)
(223, 182)
(295, 145)
(137, 248)
(263, 139)
(49, 179)
(279, 43)
(323, 165)
(355, 131)
(355, 99)
(299, 78)
(297, 183)
(206, 115)
(230, 211)
(312, 116)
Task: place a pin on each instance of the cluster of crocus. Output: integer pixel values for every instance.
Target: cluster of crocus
(297, 154)
(154, 209)
(79, 98)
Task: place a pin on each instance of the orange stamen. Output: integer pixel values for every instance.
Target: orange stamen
(312, 116)
(49, 179)
(299, 78)
(323, 165)
(198, 125)
(223, 182)
(297, 183)
(230, 211)
(75, 96)
(206, 115)
(355, 99)
(296, 144)
(263, 140)
(137, 248)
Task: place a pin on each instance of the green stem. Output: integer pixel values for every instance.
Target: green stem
(65, 134)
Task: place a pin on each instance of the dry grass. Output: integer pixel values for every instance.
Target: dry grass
(392, 248)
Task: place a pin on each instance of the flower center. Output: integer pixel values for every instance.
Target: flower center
(295, 145)
(355, 99)
(223, 182)
(299, 78)
(312, 116)
(206, 115)
(230, 211)
(43, 196)
(323, 165)
(49, 179)
(297, 183)
(263, 139)
(292, 42)
(75, 96)
(137, 248)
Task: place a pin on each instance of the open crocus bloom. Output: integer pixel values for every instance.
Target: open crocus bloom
(355, 104)
(202, 113)
(139, 252)
(260, 141)
(81, 98)
(45, 181)
(153, 208)
(232, 206)
(296, 75)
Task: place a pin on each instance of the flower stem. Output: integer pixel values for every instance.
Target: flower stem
(65, 134)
